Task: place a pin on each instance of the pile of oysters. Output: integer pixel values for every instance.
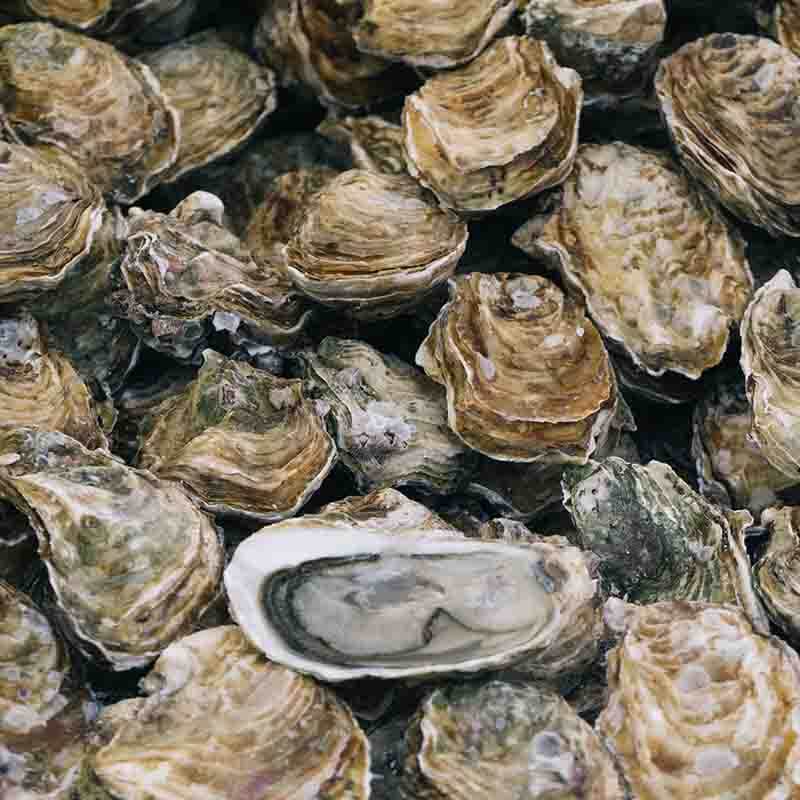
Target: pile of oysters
(399, 400)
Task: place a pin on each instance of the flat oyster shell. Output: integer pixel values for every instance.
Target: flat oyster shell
(769, 362)
(702, 705)
(663, 274)
(390, 418)
(657, 539)
(221, 95)
(527, 375)
(497, 130)
(507, 741)
(219, 720)
(132, 562)
(382, 604)
(375, 143)
(241, 441)
(106, 110)
(392, 245)
(728, 102)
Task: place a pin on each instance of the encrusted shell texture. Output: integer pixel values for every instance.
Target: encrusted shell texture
(499, 129)
(375, 143)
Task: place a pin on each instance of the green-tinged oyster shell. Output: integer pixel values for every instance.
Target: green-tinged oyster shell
(374, 143)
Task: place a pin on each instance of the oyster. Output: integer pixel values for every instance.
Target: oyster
(769, 362)
(132, 563)
(206, 68)
(728, 102)
(364, 590)
(41, 389)
(657, 539)
(392, 245)
(83, 96)
(702, 706)
(241, 441)
(374, 143)
(390, 419)
(499, 129)
(219, 720)
(507, 741)
(663, 274)
(787, 24)
(527, 375)
(18, 560)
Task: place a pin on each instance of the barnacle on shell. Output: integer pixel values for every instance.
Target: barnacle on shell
(375, 143)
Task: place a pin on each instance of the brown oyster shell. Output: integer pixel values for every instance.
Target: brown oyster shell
(392, 245)
(83, 96)
(527, 375)
(702, 706)
(221, 95)
(375, 143)
(663, 274)
(728, 104)
(497, 130)
(133, 564)
(787, 24)
(219, 720)
(241, 441)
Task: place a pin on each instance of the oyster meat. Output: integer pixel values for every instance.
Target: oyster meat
(374, 143)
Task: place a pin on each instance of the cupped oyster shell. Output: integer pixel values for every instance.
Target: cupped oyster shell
(241, 441)
(497, 130)
(527, 375)
(728, 102)
(378, 586)
(132, 563)
(375, 143)
(83, 96)
(220, 721)
(663, 274)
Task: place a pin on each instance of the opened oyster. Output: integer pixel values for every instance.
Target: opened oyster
(392, 245)
(242, 441)
(85, 97)
(702, 706)
(657, 539)
(219, 720)
(664, 276)
(728, 102)
(374, 143)
(499, 129)
(527, 375)
(132, 563)
(507, 741)
(364, 589)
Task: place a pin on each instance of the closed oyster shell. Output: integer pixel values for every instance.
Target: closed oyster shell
(132, 563)
(787, 24)
(527, 375)
(728, 103)
(497, 130)
(657, 539)
(219, 720)
(507, 741)
(83, 96)
(390, 419)
(242, 441)
(375, 143)
(221, 95)
(392, 245)
(663, 274)
(702, 705)
(364, 590)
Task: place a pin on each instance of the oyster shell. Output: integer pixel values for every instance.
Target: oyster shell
(703, 706)
(361, 590)
(499, 129)
(374, 143)
(527, 375)
(390, 419)
(241, 441)
(657, 539)
(41, 389)
(663, 274)
(728, 103)
(205, 67)
(83, 96)
(392, 245)
(17, 547)
(769, 363)
(219, 720)
(132, 563)
(508, 741)
(787, 24)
